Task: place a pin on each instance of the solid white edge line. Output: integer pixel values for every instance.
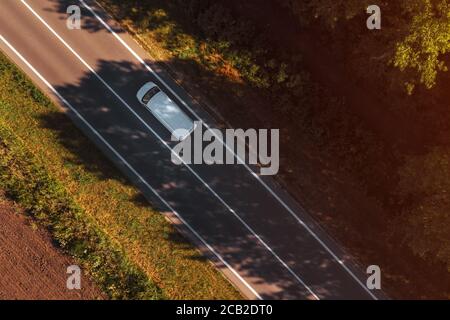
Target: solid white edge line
(278, 258)
(254, 174)
(117, 154)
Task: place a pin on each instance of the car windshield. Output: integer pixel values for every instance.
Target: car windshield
(150, 94)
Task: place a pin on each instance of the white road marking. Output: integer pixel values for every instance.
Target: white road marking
(254, 174)
(168, 147)
(117, 154)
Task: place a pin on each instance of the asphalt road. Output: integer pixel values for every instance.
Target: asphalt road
(256, 234)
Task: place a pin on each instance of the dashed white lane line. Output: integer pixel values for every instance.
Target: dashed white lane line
(261, 241)
(119, 156)
(263, 183)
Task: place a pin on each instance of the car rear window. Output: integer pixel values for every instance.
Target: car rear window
(150, 94)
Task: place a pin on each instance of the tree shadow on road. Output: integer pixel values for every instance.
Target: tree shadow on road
(127, 130)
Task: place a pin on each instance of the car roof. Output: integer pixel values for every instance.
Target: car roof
(169, 113)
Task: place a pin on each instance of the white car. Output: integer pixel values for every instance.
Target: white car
(166, 111)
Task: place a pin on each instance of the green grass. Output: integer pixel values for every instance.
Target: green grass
(93, 213)
(49, 204)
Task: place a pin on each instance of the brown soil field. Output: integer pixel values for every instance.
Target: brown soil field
(31, 267)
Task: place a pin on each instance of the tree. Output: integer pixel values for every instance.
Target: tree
(429, 39)
(418, 30)
(425, 192)
(329, 12)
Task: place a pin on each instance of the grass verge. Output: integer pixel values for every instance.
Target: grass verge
(48, 203)
(92, 212)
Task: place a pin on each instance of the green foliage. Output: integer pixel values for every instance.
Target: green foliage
(329, 12)
(214, 37)
(427, 42)
(233, 40)
(419, 30)
(425, 189)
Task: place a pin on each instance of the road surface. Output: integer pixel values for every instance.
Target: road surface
(263, 241)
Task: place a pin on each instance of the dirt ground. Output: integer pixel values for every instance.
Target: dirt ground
(31, 267)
